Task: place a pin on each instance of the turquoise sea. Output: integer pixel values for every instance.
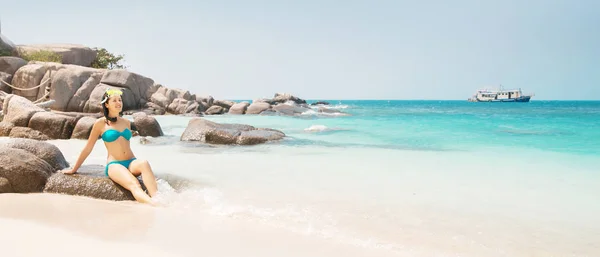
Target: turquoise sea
(558, 126)
(394, 178)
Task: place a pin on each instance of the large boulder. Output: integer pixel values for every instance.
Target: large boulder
(215, 109)
(202, 130)
(94, 102)
(258, 107)
(183, 106)
(70, 53)
(10, 64)
(27, 164)
(18, 110)
(89, 181)
(67, 88)
(224, 103)
(53, 125)
(77, 103)
(146, 125)
(239, 108)
(290, 109)
(259, 136)
(45, 151)
(138, 85)
(83, 128)
(25, 132)
(205, 102)
(28, 78)
(25, 172)
(285, 97)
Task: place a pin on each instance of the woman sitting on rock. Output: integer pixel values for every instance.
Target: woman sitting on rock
(122, 167)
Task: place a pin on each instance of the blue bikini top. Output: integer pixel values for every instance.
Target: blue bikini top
(111, 135)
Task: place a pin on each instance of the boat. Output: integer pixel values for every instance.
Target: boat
(500, 95)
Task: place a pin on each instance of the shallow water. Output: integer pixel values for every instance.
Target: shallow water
(406, 178)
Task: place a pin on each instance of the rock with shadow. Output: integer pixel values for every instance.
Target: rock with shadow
(27, 164)
(205, 131)
(89, 181)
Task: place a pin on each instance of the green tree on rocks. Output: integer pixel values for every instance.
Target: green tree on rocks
(107, 60)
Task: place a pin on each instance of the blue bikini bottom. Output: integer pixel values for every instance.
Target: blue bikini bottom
(125, 163)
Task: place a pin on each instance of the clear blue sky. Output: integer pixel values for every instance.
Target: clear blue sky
(334, 49)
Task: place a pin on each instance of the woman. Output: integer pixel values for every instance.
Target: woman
(122, 167)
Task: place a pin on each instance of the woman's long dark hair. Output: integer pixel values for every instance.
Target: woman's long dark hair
(105, 110)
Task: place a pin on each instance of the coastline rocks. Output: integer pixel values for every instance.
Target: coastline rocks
(320, 103)
(25, 132)
(137, 84)
(285, 97)
(83, 128)
(214, 110)
(27, 164)
(183, 106)
(45, 151)
(224, 103)
(146, 125)
(89, 181)
(205, 131)
(70, 53)
(258, 107)
(53, 125)
(25, 172)
(18, 110)
(239, 108)
(290, 109)
(8, 66)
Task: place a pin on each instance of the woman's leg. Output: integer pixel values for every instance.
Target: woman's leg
(120, 175)
(142, 167)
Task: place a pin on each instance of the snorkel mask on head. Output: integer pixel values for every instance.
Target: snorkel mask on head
(111, 92)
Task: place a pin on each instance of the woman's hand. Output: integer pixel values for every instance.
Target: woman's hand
(69, 171)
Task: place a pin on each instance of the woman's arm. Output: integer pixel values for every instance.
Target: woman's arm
(94, 135)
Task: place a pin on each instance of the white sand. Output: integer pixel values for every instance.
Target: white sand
(59, 225)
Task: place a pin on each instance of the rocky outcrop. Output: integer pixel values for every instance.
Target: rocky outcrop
(258, 107)
(27, 164)
(53, 125)
(75, 88)
(10, 64)
(18, 110)
(205, 131)
(23, 119)
(215, 109)
(285, 97)
(89, 181)
(25, 132)
(183, 106)
(83, 128)
(30, 166)
(45, 151)
(290, 109)
(320, 103)
(239, 108)
(70, 53)
(147, 125)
